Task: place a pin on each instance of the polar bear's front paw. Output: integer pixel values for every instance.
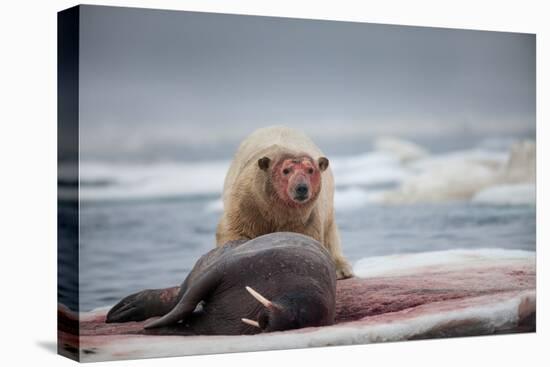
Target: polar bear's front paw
(343, 269)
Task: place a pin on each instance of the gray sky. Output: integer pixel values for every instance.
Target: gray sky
(159, 81)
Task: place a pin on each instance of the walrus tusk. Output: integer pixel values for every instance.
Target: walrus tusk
(264, 301)
(251, 322)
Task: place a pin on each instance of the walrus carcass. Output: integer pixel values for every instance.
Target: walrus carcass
(278, 281)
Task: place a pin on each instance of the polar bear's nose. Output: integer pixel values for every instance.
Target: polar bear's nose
(301, 190)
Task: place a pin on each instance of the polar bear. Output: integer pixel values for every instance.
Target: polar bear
(280, 181)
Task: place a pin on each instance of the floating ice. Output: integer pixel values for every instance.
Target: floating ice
(352, 198)
(507, 195)
(448, 260)
(154, 180)
(462, 175)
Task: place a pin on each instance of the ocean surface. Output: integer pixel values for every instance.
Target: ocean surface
(144, 224)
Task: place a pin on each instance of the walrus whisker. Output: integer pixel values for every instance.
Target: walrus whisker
(251, 322)
(264, 301)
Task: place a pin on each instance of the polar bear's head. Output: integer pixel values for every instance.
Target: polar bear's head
(295, 179)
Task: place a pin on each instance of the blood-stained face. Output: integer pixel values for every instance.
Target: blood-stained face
(296, 180)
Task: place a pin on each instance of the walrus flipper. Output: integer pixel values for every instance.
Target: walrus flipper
(143, 305)
(195, 293)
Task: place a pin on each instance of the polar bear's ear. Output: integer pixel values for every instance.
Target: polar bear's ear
(263, 163)
(323, 163)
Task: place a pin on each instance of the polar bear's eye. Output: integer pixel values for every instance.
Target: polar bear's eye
(286, 171)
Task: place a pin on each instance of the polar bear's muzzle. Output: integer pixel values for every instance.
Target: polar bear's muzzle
(301, 192)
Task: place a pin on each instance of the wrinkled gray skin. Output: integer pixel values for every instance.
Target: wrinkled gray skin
(293, 271)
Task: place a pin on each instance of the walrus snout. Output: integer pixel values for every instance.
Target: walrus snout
(263, 319)
(293, 311)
